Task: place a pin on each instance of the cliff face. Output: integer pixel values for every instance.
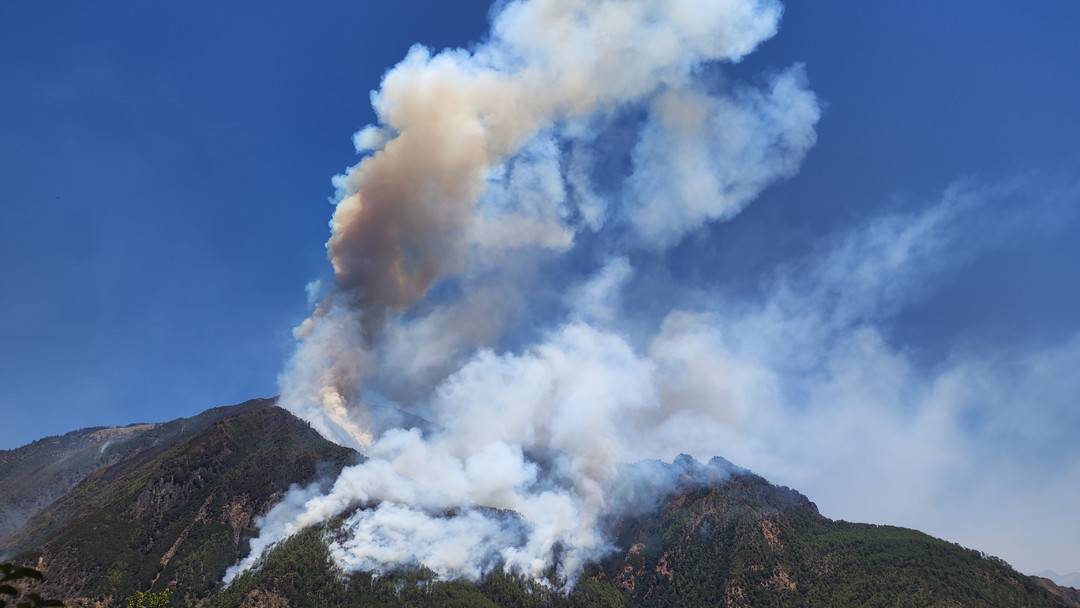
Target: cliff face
(174, 505)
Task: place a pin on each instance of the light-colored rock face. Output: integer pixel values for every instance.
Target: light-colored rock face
(103, 436)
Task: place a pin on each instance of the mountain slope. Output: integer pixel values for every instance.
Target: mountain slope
(1067, 594)
(177, 513)
(741, 543)
(177, 506)
(749, 543)
(1069, 580)
(35, 475)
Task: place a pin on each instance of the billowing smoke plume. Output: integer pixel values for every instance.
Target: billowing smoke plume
(486, 165)
(414, 208)
(406, 211)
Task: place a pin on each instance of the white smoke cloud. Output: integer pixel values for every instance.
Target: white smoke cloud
(525, 202)
(449, 333)
(806, 384)
(703, 157)
(447, 119)
(463, 545)
(467, 163)
(481, 169)
(481, 165)
(280, 523)
(320, 380)
(798, 383)
(598, 300)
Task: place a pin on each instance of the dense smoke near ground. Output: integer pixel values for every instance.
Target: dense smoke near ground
(481, 170)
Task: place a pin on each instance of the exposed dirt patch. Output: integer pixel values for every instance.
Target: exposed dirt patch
(257, 598)
(238, 514)
(771, 531)
(200, 516)
(781, 581)
(663, 568)
(633, 568)
(103, 435)
(735, 597)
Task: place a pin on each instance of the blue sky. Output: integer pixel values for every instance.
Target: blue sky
(166, 181)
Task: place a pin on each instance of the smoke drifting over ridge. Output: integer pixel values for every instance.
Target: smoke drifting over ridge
(482, 165)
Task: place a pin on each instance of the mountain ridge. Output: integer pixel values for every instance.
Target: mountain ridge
(1071, 579)
(190, 497)
(181, 503)
(37, 474)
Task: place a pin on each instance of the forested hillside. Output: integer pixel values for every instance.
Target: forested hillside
(177, 505)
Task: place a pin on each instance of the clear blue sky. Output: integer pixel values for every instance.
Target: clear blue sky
(165, 180)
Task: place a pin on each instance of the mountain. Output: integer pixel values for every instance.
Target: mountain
(1068, 580)
(1068, 593)
(742, 543)
(173, 505)
(36, 475)
(177, 510)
